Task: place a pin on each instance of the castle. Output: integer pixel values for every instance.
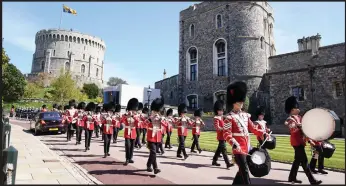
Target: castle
(68, 50)
(223, 42)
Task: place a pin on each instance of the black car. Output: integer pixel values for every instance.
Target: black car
(45, 122)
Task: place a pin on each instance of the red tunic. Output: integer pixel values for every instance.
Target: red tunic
(107, 124)
(294, 124)
(261, 125)
(182, 123)
(130, 122)
(117, 117)
(154, 127)
(80, 116)
(170, 122)
(143, 117)
(218, 124)
(89, 122)
(44, 110)
(196, 126)
(71, 115)
(98, 118)
(236, 131)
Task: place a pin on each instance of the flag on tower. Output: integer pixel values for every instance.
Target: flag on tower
(69, 10)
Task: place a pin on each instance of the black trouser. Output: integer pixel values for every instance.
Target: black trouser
(181, 147)
(300, 158)
(115, 134)
(97, 129)
(221, 149)
(88, 134)
(107, 142)
(144, 131)
(101, 132)
(320, 159)
(160, 145)
(129, 146)
(138, 137)
(242, 177)
(152, 155)
(168, 139)
(79, 132)
(70, 131)
(195, 142)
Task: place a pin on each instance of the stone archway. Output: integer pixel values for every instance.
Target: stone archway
(219, 95)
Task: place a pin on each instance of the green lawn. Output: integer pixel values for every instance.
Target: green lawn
(283, 152)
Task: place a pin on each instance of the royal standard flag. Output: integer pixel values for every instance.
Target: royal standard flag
(69, 10)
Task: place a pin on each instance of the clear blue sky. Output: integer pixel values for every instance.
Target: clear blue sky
(142, 38)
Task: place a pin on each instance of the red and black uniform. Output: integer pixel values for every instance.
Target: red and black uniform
(71, 118)
(182, 123)
(169, 130)
(160, 148)
(143, 116)
(116, 117)
(130, 119)
(80, 126)
(261, 125)
(196, 127)
(108, 123)
(139, 129)
(98, 123)
(317, 154)
(89, 126)
(221, 148)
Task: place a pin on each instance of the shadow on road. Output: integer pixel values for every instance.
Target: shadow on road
(66, 143)
(76, 150)
(121, 172)
(288, 170)
(192, 165)
(256, 180)
(100, 162)
(81, 155)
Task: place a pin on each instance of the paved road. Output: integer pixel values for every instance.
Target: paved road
(196, 169)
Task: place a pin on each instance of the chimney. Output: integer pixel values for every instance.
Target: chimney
(310, 43)
(164, 73)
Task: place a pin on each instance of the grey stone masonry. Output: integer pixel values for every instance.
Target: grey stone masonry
(169, 89)
(81, 54)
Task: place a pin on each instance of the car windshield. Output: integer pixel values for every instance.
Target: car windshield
(50, 115)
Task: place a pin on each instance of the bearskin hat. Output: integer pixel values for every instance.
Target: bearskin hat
(182, 108)
(98, 109)
(132, 104)
(290, 104)
(111, 106)
(198, 112)
(81, 105)
(157, 105)
(72, 103)
(236, 92)
(117, 108)
(169, 112)
(260, 111)
(140, 106)
(218, 105)
(90, 106)
(145, 110)
(60, 107)
(44, 106)
(55, 105)
(66, 107)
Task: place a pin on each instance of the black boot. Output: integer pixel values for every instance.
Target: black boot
(295, 181)
(316, 182)
(322, 171)
(215, 163)
(126, 162)
(156, 171)
(149, 169)
(131, 161)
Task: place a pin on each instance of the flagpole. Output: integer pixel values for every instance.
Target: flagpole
(61, 17)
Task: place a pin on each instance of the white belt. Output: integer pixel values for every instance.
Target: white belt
(155, 129)
(197, 129)
(239, 134)
(129, 131)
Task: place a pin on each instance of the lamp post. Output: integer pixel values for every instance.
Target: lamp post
(149, 94)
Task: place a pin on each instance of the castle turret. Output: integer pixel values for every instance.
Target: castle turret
(310, 43)
(164, 73)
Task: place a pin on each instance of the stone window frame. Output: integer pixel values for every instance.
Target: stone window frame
(220, 92)
(189, 64)
(53, 52)
(82, 69)
(192, 30)
(216, 58)
(338, 86)
(217, 21)
(67, 64)
(194, 98)
(97, 72)
(83, 56)
(262, 42)
(302, 95)
(43, 64)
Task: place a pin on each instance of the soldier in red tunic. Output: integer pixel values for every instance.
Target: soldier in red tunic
(44, 108)
(139, 127)
(317, 153)
(130, 119)
(108, 124)
(218, 124)
(80, 122)
(144, 116)
(89, 123)
(260, 123)
(98, 123)
(160, 148)
(169, 128)
(154, 135)
(196, 126)
(71, 115)
(182, 122)
(298, 142)
(237, 125)
(116, 117)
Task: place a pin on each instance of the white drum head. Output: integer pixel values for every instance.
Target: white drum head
(258, 158)
(318, 124)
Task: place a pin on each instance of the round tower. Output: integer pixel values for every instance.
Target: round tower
(67, 50)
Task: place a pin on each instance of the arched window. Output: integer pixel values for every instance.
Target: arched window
(66, 38)
(50, 36)
(220, 95)
(192, 101)
(70, 39)
(78, 40)
(58, 37)
(97, 72)
(220, 58)
(74, 39)
(83, 56)
(262, 42)
(82, 41)
(54, 37)
(67, 66)
(219, 21)
(192, 30)
(82, 69)
(68, 53)
(42, 65)
(192, 64)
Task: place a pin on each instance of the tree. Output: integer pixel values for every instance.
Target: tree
(31, 90)
(92, 90)
(41, 79)
(64, 88)
(13, 83)
(5, 58)
(115, 81)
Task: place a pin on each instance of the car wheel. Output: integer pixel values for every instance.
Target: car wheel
(36, 132)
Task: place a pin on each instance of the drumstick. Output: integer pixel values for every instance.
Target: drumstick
(265, 139)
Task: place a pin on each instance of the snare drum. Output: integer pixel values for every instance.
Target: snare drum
(327, 149)
(259, 162)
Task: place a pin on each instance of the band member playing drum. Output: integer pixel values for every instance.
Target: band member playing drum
(107, 127)
(237, 125)
(139, 127)
(261, 123)
(196, 126)
(116, 117)
(80, 122)
(154, 135)
(130, 119)
(317, 154)
(143, 117)
(89, 123)
(159, 148)
(182, 122)
(71, 115)
(219, 124)
(170, 121)
(297, 142)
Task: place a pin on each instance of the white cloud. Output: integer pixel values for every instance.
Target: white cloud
(19, 28)
(285, 42)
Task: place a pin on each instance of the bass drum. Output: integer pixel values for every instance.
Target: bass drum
(327, 149)
(270, 143)
(259, 162)
(121, 127)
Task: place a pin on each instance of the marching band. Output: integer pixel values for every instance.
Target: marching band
(232, 128)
